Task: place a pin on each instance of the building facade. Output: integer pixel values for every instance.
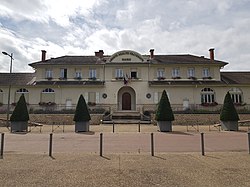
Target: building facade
(127, 81)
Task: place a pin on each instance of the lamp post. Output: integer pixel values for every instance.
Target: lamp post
(8, 106)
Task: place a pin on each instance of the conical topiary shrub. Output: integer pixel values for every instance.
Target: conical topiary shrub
(20, 116)
(164, 114)
(229, 116)
(81, 116)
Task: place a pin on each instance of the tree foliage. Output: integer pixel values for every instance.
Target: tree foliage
(20, 112)
(82, 112)
(164, 111)
(228, 112)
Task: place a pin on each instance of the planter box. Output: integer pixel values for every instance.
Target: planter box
(19, 126)
(229, 125)
(82, 126)
(165, 126)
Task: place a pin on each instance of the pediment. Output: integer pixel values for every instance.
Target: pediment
(126, 56)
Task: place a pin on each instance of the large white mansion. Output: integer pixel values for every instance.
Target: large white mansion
(127, 81)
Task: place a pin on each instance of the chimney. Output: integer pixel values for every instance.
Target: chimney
(99, 54)
(43, 55)
(211, 54)
(151, 53)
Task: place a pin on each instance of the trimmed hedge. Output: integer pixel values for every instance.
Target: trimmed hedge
(228, 112)
(82, 111)
(164, 111)
(20, 112)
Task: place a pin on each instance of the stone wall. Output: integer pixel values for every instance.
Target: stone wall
(180, 119)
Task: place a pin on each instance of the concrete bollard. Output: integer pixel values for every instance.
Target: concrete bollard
(50, 144)
(152, 144)
(202, 144)
(101, 143)
(2, 145)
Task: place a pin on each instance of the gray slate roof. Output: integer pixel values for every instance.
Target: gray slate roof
(158, 59)
(16, 79)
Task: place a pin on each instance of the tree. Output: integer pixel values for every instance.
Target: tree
(228, 112)
(20, 112)
(164, 111)
(82, 112)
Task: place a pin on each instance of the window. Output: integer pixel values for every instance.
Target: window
(48, 74)
(190, 72)
(20, 92)
(47, 97)
(1, 97)
(78, 74)
(133, 75)
(92, 73)
(48, 90)
(207, 96)
(205, 73)
(160, 73)
(118, 73)
(236, 95)
(176, 73)
(63, 74)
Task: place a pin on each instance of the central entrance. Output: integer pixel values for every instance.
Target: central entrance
(126, 101)
(126, 98)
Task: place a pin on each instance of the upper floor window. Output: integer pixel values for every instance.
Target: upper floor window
(160, 73)
(176, 73)
(63, 73)
(236, 95)
(48, 74)
(133, 73)
(118, 73)
(191, 73)
(78, 74)
(206, 73)
(92, 73)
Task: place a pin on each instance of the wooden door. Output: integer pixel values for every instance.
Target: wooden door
(126, 101)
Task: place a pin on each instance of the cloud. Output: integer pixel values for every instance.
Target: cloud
(170, 27)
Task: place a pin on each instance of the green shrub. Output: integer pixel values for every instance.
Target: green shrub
(82, 111)
(228, 112)
(20, 112)
(164, 111)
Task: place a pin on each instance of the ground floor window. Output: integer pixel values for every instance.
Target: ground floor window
(21, 91)
(207, 96)
(236, 95)
(47, 97)
(1, 96)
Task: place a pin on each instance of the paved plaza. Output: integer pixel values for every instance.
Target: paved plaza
(126, 159)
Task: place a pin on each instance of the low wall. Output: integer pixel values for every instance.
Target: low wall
(180, 119)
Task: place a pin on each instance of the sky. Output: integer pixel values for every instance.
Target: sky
(77, 27)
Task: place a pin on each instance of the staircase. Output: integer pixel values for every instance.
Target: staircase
(126, 117)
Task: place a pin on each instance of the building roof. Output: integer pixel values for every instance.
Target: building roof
(158, 59)
(236, 77)
(17, 79)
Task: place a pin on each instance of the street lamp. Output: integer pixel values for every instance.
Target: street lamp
(8, 106)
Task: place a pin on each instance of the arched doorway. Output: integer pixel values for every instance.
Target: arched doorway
(126, 99)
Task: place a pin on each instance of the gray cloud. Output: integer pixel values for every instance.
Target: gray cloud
(171, 27)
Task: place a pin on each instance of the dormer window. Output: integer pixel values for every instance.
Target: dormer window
(63, 74)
